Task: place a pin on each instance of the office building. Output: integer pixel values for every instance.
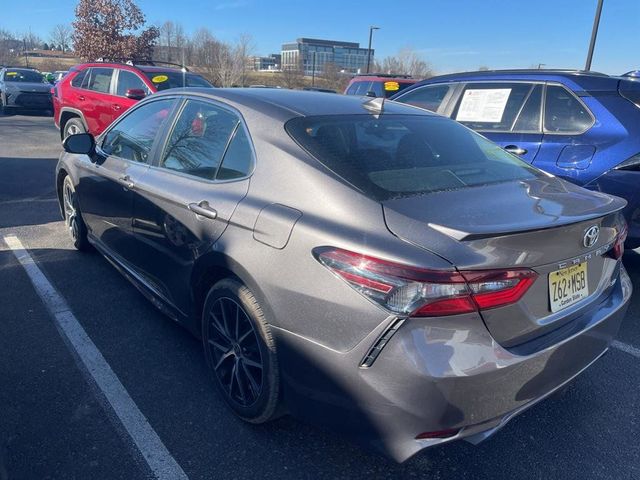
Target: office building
(346, 56)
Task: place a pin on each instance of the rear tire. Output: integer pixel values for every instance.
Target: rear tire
(72, 216)
(73, 127)
(240, 351)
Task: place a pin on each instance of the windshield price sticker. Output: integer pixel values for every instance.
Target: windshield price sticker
(486, 105)
(159, 79)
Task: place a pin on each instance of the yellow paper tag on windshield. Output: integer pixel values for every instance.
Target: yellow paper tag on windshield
(391, 86)
(12, 74)
(159, 79)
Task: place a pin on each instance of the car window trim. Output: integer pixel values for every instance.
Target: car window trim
(540, 117)
(171, 125)
(154, 146)
(576, 97)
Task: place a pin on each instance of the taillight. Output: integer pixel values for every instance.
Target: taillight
(618, 245)
(425, 293)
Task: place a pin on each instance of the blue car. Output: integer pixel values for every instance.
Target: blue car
(581, 126)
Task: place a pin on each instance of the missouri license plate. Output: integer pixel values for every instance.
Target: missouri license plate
(568, 286)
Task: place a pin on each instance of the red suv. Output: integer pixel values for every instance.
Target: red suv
(93, 95)
(378, 84)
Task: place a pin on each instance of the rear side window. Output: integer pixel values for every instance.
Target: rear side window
(128, 80)
(564, 113)
(397, 156)
(133, 134)
(100, 80)
(238, 160)
(173, 79)
(491, 106)
(199, 139)
(359, 88)
(79, 78)
(429, 97)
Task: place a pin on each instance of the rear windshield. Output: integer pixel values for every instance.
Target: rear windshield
(397, 156)
(169, 79)
(23, 76)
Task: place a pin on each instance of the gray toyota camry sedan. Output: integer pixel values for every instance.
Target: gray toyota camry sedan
(360, 264)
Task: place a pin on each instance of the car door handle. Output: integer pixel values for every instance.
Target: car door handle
(81, 97)
(126, 182)
(203, 209)
(516, 150)
(117, 107)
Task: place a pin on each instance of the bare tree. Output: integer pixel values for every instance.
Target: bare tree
(109, 28)
(31, 41)
(292, 76)
(244, 48)
(406, 62)
(333, 78)
(167, 39)
(8, 45)
(61, 36)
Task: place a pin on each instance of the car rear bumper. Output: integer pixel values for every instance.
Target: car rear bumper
(436, 375)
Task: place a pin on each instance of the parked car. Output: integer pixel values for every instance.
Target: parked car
(368, 266)
(378, 85)
(23, 88)
(93, 95)
(581, 126)
(59, 75)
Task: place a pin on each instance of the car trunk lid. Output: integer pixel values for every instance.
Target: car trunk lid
(538, 224)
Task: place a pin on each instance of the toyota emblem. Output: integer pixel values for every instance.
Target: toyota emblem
(591, 236)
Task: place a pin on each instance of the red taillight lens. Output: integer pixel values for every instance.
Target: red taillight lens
(425, 293)
(618, 246)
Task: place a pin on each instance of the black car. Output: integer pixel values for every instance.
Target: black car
(23, 88)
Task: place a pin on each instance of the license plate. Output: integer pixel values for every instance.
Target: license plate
(568, 286)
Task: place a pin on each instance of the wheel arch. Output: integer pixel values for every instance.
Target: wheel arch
(66, 114)
(209, 270)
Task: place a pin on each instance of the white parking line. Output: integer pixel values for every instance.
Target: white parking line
(626, 348)
(89, 358)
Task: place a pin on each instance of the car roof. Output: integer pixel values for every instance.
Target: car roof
(284, 104)
(384, 78)
(142, 68)
(577, 80)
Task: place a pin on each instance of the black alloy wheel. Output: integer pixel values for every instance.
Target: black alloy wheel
(240, 351)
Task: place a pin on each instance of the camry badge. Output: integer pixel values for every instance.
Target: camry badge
(591, 236)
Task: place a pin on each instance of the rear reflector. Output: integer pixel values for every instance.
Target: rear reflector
(425, 293)
(618, 246)
(438, 434)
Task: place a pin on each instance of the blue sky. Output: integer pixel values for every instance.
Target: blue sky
(452, 35)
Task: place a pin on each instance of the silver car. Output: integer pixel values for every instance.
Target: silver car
(357, 263)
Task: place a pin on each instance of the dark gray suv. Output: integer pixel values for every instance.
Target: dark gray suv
(365, 265)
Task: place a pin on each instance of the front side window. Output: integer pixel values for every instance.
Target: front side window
(429, 97)
(128, 80)
(199, 139)
(491, 107)
(397, 156)
(100, 80)
(132, 137)
(564, 113)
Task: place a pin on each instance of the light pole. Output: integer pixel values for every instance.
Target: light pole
(594, 34)
(313, 71)
(371, 29)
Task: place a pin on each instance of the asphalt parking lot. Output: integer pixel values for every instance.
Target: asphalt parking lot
(55, 423)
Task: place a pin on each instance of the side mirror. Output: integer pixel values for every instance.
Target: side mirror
(82, 144)
(135, 94)
(370, 93)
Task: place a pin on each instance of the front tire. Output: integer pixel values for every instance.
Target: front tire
(240, 351)
(73, 127)
(72, 216)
